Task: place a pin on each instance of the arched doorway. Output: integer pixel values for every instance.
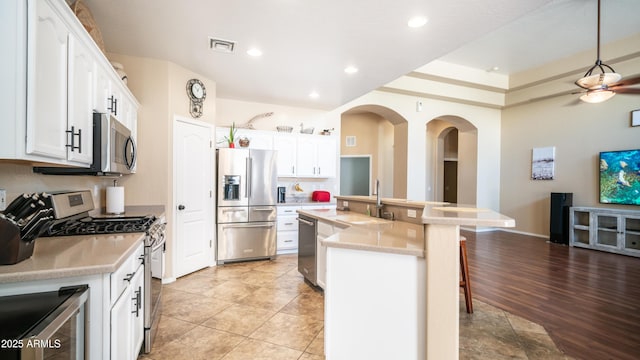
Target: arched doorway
(452, 148)
(380, 134)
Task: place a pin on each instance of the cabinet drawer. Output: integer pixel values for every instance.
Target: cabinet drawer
(288, 210)
(288, 223)
(287, 240)
(121, 278)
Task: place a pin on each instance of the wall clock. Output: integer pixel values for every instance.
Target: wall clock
(197, 93)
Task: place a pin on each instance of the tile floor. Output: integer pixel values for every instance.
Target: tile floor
(264, 310)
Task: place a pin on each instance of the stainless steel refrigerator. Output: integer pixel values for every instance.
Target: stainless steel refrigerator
(246, 204)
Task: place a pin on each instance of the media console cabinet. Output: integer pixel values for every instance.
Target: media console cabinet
(605, 229)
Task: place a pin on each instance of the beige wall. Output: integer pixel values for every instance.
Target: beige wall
(366, 128)
(160, 87)
(579, 131)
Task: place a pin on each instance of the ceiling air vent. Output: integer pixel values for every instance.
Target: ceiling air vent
(225, 46)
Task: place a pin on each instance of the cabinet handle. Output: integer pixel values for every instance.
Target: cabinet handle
(73, 136)
(129, 277)
(293, 169)
(137, 301)
(288, 241)
(288, 223)
(111, 106)
(318, 170)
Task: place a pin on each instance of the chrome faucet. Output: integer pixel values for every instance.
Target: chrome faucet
(378, 202)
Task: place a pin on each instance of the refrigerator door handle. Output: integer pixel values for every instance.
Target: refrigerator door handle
(248, 184)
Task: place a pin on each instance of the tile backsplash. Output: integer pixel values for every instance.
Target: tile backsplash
(307, 186)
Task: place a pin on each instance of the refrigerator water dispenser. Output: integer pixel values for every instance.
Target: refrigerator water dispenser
(232, 187)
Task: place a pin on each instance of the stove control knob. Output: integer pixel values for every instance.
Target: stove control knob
(180, 207)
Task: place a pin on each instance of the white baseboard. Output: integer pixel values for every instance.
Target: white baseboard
(525, 233)
(489, 229)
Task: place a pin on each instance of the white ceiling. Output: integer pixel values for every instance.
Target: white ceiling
(307, 44)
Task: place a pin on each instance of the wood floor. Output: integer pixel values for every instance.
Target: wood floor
(588, 301)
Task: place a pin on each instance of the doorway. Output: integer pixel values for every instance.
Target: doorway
(355, 175)
(193, 195)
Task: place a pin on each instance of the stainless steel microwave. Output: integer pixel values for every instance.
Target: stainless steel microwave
(114, 150)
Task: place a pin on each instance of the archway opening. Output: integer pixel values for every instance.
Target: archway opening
(378, 133)
(452, 148)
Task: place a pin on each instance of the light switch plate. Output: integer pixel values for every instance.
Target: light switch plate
(411, 213)
(3, 199)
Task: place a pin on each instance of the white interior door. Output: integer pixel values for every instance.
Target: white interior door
(194, 204)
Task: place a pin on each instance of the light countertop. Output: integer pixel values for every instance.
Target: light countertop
(70, 256)
(374, 234)
(443, 213)
(368, 233)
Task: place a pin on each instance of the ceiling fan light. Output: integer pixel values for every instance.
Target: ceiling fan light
(597, 81)
(597, 96)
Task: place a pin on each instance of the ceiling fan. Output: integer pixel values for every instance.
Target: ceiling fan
(602, 86)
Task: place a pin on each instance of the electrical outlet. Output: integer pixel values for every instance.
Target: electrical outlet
(345, 204)
(3, 199)
(411, 213)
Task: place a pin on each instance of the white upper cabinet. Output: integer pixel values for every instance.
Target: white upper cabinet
(48, 41)
(286, 145)
(54, 77)
(82, 73)
(316, 156)
(299, 155)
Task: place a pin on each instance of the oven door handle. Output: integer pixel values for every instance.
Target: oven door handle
(158, 243)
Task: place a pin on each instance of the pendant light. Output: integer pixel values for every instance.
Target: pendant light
(598, 81)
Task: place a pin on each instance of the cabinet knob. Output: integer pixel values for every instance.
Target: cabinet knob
(181, 207)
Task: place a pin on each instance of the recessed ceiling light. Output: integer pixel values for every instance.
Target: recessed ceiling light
(416, 22)
(254, 52)
(351, 70)
(314, 95)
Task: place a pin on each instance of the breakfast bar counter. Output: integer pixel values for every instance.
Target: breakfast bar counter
(392, 287)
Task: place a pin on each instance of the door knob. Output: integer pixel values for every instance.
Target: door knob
(180, 207)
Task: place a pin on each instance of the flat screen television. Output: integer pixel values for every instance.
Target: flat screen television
(620, 177)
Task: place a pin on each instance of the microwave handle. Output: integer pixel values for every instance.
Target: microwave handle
(130, 142)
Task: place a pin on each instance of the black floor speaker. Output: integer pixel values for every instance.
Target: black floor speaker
(559, 221)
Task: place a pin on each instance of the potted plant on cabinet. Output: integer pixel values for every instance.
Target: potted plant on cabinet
(232, 135)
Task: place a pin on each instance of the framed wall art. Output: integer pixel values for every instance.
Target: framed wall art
(635, 117)
(543, 163)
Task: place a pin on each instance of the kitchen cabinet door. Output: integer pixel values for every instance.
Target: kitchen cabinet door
(47, 41)
(316, 156)
(137, 315)
(102, 90)
(286, 146)
(306, 161)
(81, 77)
(327, 154)
(121, 323)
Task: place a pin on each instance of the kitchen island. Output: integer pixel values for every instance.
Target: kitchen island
(392, 287)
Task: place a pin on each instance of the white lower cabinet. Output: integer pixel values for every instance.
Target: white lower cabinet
(127, 312)
(325, 230)
(287, 235)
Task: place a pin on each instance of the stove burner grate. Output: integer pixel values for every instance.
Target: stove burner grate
(91, 226)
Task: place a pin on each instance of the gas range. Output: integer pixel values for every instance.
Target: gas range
(87, 225)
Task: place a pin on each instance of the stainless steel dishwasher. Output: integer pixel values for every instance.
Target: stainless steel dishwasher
(307, 233)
